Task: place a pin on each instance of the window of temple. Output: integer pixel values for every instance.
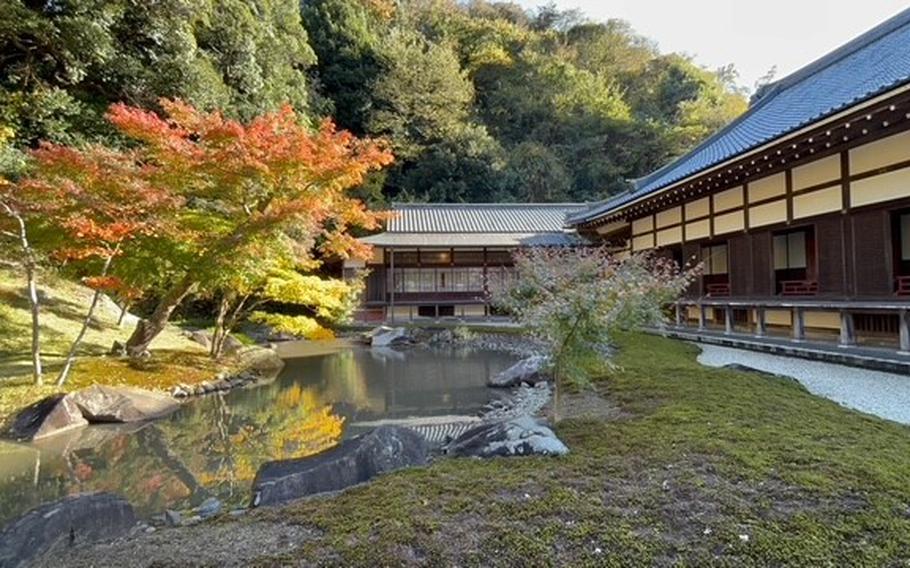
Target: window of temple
(794, 262)
(716, 269)
(900, 244)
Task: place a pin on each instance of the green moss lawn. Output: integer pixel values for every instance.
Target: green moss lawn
(686, 466)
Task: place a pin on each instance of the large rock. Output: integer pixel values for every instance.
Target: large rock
(74, 520)
(231, 345)
(531, 370)
(52, 415)
(100, 403)
(520, 436)
(200, 336)
(354, 461)
(386, 336)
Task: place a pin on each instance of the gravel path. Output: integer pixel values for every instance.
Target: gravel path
(883, 394)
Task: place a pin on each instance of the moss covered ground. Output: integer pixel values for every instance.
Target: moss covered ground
(695, 467)
(672, 464)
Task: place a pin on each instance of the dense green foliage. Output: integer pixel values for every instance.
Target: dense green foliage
(481, 101)
(487, 102)
(64, 63)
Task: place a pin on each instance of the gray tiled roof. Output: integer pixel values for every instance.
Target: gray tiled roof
(473, 240)
(871, 64)
(480, 217)
(478, 225)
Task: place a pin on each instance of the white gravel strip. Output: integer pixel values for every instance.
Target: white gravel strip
(883, 394)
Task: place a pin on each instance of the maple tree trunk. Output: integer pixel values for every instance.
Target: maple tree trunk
(148, 329)
(71, 356)
(34, 305)
(219, 332)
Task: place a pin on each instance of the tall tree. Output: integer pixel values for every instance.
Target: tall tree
(13, 227)
(271, 183)
(345, 34)
(97, 203)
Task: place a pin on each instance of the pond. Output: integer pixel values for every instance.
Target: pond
(214, 445)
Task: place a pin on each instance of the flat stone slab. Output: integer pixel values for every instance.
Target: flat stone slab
(51, 415)
(522, 436)
(100, 403)
(74, 520)
(354, 461)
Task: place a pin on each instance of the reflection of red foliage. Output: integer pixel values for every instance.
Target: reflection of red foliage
(153, 484)
(83, 471)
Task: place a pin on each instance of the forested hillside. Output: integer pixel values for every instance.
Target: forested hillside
(479, 101)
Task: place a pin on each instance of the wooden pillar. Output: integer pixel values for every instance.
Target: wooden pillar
(799, 324)
(486, 288)
(392, 287)
(847, 329)
(761, 326)
(728, 320)
(701, 317)
(679, 319)
(904, 317)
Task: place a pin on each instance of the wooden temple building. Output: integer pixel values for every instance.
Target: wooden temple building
(799, 211)
(445, 260)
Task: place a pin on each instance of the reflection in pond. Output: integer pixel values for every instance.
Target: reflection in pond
(213, 446)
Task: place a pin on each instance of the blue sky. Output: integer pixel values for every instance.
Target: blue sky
(754, 36)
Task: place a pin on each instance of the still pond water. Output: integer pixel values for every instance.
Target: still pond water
(213, 446)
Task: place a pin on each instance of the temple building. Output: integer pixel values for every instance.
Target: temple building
(446, 260)
(799, 212)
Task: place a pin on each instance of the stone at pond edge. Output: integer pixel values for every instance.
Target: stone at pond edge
(101, 403)
(74, 520)
(520, 436)
(386, 336)
(51, 415)
(354, 461)
(173, 518)
(209, 508)
(529, 370)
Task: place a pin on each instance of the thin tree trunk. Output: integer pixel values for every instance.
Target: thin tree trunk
(219, 331)
(148, 329)
(123, 312)
(71, 356)
(34, 305)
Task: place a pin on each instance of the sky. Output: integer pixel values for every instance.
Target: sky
(754, 36)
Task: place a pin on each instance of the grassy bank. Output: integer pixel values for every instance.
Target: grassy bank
(175, 359)
(675, 464)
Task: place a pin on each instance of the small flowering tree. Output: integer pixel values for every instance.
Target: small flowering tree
(573, 300)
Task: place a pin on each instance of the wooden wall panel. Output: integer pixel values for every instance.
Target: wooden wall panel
(884, 152)
(830, 260)
(762, 282)
(740, 255)
(871, 253)
(884, 187)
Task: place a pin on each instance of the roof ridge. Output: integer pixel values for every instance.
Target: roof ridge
(491, 204)
(839, 53)
(877, 32)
